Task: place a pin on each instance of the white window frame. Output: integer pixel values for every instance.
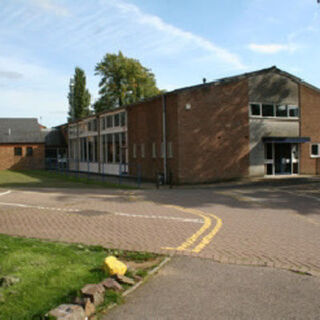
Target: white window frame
(313, 155)
(289, 106)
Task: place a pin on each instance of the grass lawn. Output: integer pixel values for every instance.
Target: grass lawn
(49, 273)
(51, 179)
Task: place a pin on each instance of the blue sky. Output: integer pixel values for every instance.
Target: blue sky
(182, 41)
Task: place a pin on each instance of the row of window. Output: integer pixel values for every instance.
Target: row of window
(18, 151)
(113, 121)
(274, 110)
(113, 148)
(153, 150)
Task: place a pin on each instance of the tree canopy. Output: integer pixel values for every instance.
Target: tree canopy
(123, 81)
(79, 96)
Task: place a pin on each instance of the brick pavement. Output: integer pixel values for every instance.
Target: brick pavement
(261, 226)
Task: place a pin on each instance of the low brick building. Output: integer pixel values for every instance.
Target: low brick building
(260, 123)
(22, 144)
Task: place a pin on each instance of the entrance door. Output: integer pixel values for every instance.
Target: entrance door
(282, 158)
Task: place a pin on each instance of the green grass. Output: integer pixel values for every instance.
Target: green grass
(50, 273)
(51, 179)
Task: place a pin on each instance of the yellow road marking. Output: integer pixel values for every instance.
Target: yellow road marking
(207, 224)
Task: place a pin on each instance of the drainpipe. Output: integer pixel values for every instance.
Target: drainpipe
(164, 135)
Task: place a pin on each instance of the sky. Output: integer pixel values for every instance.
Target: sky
(181, 41)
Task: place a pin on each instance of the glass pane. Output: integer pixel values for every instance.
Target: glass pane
(117, 146)
(110, 148)
(281, 111)
(116, 120)
(123, 119)
(293, 111)
(267, 110)
(295, 167)
(268, 151)
(315, 150)
(255, 109)
(109, 121)
(269, 168)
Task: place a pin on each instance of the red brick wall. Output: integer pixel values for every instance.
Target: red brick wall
(310, 127)
(214, 133)
(145, 127)
(9, 161)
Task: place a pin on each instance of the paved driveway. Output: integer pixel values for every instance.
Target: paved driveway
(273, 225)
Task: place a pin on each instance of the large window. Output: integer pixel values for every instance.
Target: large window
(270, 110)
(83, 149)
(90, 149)
(117, 147)
(154, 150)
(109, 121)
(104, 148)
(123, 148)
(117, 120)
(95, 141)
(315, 150)
(122, 119)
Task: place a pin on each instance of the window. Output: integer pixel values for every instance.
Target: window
(83, 149)
(122, 119)
(170, 151)
(154, 150)
(315, 150)
(116, 120)
(117, 147)
(109, 121)
(162, 150)
(94, 125)
(89, 126)
(104, 148)
(123, 148)
(267, 110)
(143, 151)
(17, 151)
(29, 151)
(293, 111)
(110, 147)
(255, 109)
(95, 140)
(281, 111)
(103, 123)
(90, 149)
(134, 150)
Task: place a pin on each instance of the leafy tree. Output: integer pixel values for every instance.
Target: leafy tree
(79, 96)
(123, 81)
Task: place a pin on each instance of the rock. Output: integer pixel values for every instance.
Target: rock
(79, 300)
(125, 280)
(137, 278)
(89, 308)
(95, 292)
(8, 281)
(115, 266)
(110, 283)
(67, 312)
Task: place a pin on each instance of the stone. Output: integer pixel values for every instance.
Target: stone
(112, 284)
(89, 308)
(137, 278)
(95, 292)
(8, 281)
(125, 280)
(67, 312)
(79, 300)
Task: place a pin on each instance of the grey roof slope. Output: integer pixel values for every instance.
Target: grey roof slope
(53, 137)
(20, 130)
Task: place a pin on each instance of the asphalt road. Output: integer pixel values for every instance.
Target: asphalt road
(194, 288)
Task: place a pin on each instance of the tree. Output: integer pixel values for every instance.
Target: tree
(123, 81)
(79, 97)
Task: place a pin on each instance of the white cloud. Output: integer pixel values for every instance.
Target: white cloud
(50, 6)
(272, 48)
(134, 13)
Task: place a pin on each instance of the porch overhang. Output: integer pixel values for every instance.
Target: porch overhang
(285, 139)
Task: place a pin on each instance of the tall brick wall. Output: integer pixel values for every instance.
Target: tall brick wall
(8, 160)
(214, 133)
(145, 127)
(310, 127)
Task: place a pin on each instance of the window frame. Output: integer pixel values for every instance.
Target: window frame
(28, 154)
(275, 105)
(18, 154)
(313, 155)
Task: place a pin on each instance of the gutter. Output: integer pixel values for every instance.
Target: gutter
(164, 137)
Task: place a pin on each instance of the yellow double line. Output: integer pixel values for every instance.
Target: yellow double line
(206, 225)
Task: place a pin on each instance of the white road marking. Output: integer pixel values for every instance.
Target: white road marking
(4, 193)
(157, 217)
(37, 207)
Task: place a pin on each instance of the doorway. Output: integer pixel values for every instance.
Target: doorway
(281, 158)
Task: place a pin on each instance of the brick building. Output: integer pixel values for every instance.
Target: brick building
(21, 144)
(260, 123)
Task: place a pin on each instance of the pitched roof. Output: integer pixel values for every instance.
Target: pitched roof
(20, 130)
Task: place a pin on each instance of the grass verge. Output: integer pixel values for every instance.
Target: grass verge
(51, 179)
(50, 273)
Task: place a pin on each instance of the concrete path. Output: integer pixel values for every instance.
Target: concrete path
(194, 288)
